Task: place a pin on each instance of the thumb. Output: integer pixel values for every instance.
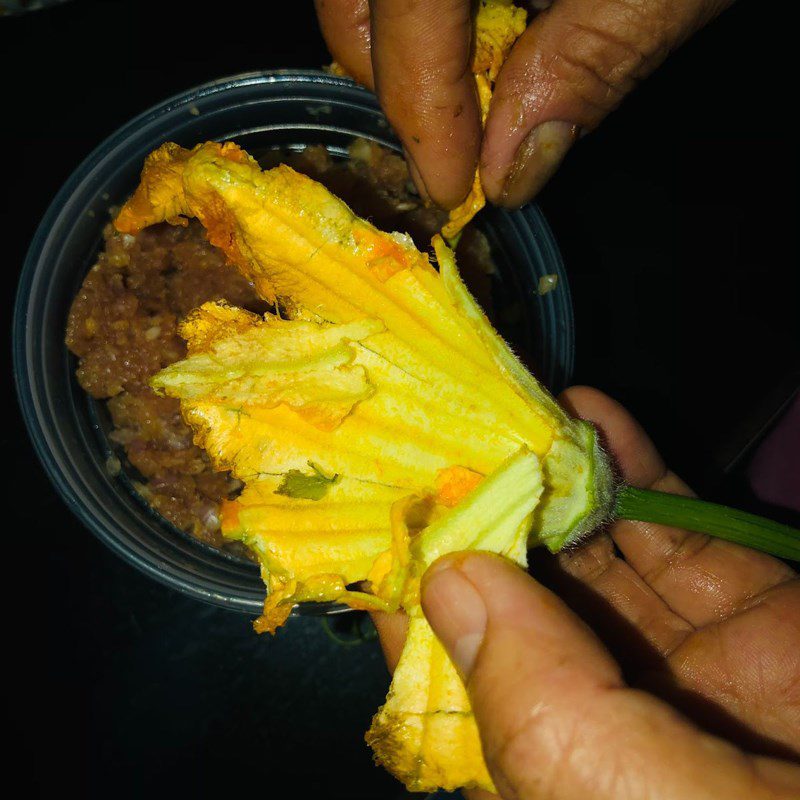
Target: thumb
(555, 717)
(571, 67)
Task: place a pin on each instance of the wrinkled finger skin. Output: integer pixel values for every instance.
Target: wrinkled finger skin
(573, 65)
(720, 621)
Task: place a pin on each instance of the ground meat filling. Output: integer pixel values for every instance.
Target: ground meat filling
(123, 324)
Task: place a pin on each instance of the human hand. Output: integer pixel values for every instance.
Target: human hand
(721, 630)
(574, 64)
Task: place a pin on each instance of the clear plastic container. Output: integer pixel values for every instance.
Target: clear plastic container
(68, 429)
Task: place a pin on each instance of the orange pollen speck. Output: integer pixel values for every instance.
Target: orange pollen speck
(454, 484)
(383, 257)
(229, 516)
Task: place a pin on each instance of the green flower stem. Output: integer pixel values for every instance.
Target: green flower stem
(716, 520)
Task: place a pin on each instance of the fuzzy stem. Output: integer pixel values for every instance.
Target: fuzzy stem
(711, 518)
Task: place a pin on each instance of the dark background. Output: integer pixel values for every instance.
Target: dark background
(678, 225)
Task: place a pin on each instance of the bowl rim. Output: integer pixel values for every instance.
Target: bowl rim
(29, 403)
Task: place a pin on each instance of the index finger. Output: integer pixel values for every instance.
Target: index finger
(345, 28)
(421, 65)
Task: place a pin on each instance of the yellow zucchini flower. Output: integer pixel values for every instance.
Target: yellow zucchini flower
(376, 419)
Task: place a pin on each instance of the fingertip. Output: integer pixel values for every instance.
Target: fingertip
(633, 450)
(464, 562)
(345, 26)
(581, 400)
(487, 570)
(445, 562)
(518, 176)
(442, 143)
(455, 611)
(449, 193)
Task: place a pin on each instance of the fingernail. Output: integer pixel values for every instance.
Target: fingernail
(456, 612)
(536, 160)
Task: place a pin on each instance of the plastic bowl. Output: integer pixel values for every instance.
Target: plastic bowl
(68, 429)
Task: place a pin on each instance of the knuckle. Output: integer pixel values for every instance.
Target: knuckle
(683, 550)
(591, 561)
(557, 748)
(535, 755)
(603, 59)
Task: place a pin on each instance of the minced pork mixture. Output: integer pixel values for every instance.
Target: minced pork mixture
(123, 322)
